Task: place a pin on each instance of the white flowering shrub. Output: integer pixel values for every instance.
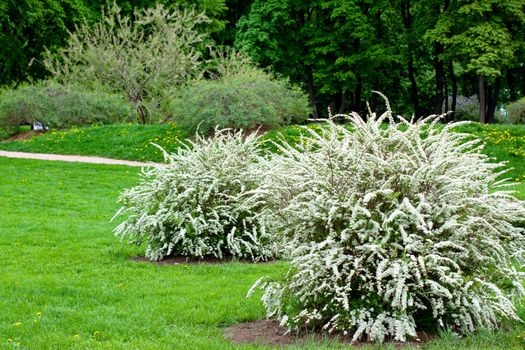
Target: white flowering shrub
(390, 228)
(203, 202)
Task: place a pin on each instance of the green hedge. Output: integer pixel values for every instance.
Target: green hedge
(239, 102)
(57, 105)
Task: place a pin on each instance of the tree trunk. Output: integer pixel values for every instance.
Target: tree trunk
(407, 20)
(522, 80)
(357, 96)
(493, 101)
(454, 90)
(513, 94)
(446, 97)
(142, 114)
(311, 91)
(482, 101)
(336, 101)
(439, 68)
(342, 105)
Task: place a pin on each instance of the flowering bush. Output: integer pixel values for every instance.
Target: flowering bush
(391, 228)
(204, 202)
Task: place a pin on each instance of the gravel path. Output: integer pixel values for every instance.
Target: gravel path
(65, 158)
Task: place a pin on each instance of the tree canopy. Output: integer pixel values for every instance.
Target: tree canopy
(422, 54)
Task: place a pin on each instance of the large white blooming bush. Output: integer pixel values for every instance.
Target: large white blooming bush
(203, 202)
(390, 227)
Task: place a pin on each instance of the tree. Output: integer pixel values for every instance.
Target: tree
(484, 35)
(27, 27)
(143, 57)
(336, 49)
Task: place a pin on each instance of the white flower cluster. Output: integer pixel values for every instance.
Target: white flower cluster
(390, 226)
(203, 202)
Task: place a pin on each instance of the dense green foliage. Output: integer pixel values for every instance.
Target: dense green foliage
(57, 105)
(516, 111)
(243, 101)
(28, 27)
(423, 54)
(417, 51)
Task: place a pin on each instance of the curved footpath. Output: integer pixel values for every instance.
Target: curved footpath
(72, 158)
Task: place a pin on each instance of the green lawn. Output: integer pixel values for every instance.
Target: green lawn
(124, 141)
(68, 283)
(133, 142)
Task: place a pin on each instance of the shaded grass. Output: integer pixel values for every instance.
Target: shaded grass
(68, 283)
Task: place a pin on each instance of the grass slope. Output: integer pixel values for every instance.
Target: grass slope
(119, 141)
(68, 283)
(133, 142)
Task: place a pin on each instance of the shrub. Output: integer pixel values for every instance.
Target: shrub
(467, 108)
(57, 105)
(243, 101)
(141, 56)
(203, 202)
(392, 228)
(516, 112)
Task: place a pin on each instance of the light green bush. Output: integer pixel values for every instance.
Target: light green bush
(141, 56)
(57, 105)
(516, 112)
(243, 101)
(467, 108)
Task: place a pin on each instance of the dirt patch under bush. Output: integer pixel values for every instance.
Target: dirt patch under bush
(22, 136)
(269, 332)
(177, 260)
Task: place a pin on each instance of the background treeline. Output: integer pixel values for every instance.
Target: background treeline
(428, 56)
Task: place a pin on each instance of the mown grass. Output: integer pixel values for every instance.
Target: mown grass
(134, 142)
(68, 283)
(119, 141)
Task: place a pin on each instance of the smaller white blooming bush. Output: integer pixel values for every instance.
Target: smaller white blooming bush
(203, 202)
(391, 228)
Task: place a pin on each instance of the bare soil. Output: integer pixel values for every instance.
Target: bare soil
(22, 136)
(177, 260)
(270, 333)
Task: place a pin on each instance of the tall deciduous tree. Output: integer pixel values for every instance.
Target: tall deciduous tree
(27, 26)
(484, 36)
(337, 49)
(143, 57)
